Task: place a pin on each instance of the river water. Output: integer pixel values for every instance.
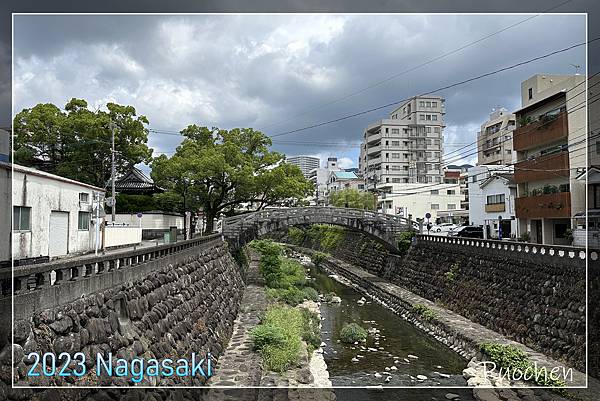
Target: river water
(412, 358)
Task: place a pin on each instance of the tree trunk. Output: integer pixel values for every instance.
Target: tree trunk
(210, 216)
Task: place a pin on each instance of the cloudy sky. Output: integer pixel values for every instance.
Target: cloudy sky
(278, 73)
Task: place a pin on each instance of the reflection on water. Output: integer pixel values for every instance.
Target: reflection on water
(410, 356)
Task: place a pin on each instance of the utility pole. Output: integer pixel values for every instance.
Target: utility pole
(112, 171)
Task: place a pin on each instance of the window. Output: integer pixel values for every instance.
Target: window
(434, 117)
(428, 104)
(422, 117)
(428, 129)
(451, 206)
(495, 199)
(387, 130)
(395, 155)
(435, 206)
(396, 180)
(22, 218)
(84, 197)
(395, 143)
(395, 131)
(437, 130)
(451, 192)
(395, 168)
(428, 117)
(434, 104)
(422, 104)
(83, 221)
(560, 230)
(435, 192)
(361, 186)
(530, 93)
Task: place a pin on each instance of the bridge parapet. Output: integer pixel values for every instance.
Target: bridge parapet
(243, 228)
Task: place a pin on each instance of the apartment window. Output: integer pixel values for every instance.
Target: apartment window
(84, 197)
(451, 206)
(406, 155)
(405, 168)
(396, 180)
(437, 130)
(435, 206)
(434, 117)
(387, 180)
(387, 155)
(530, 93)
(428, 129)
(422, 117)
(428, 155)
(395, 143)
(22, 218)
(428, 104)
(429, 142)
(83, 221)
(422, 104)
(395, 131)
(428, 117)
(436, 142)
(387, 130)
(451, 192)
(395, 168)
(495, 199)
(435, 192)
(395, 155)
(434, 104)
(508, 151)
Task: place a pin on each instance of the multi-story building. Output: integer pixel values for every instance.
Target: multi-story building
(320, 177)
(305, 163)
(407, 147)
(494, 141)
(416, 200)
(340, 180)
(454, 174)
(492, 190)
(548, 140)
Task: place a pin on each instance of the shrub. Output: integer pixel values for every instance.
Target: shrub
(405, 241)
(311, 332)
(291, 296)
(319, 257)
(292, 274)
(514, 359)
(265, 246)
(296, 235)
(352, 333)
(453, 272)
(263, 335)
(423, 311)
(311, 293)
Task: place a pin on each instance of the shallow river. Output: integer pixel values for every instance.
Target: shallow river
(393, 343)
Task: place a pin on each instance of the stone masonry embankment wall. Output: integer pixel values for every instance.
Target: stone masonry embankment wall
(534, 299)
(186, 306)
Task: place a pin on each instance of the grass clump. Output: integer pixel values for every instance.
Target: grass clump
(296, 235)
(280, 335)
(453, 272)
(328, 237)
(405, 241)
(291, 296)
(311, 293)
(516, 362)
(352, 333)
(426, 313)
(319, 257)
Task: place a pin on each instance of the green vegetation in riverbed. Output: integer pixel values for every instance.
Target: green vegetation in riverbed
(329, 296)
(352, 333)
(296, 235)
(426, 313)
(311, 293)
(517, 362)
(405, 241)
(280, 335)
(318, 257)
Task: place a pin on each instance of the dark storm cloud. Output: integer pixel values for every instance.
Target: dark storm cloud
(261, 70)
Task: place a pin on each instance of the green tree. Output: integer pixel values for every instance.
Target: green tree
(220, 169)
(76, 143)
(352, 198)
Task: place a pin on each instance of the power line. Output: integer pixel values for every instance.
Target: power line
(406, 71)
(437, 90)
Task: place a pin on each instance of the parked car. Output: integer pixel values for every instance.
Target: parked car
(443, 228)
(468, 232)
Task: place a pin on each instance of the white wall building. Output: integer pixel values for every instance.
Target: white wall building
(52, 215)
(494, 141)
(305, 163)
(320, 177)
(417, 200)
(153, 223)
(492, 193)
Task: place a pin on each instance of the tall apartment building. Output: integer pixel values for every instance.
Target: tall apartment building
(305, 163)
(494, 141)
(320, 177)
(550, 141)
(406, 147)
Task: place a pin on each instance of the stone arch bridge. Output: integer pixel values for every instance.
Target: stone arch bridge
(241, 229)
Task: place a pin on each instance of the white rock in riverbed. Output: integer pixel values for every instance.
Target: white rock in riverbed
(452, 396)
(406, 360)
(354, 359)
(393, 368)
(388, 378)
(323, 344)
(377, 375)
(413, 356)
(421, 377)
(387, 368)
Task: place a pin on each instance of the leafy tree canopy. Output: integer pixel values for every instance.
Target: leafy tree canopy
(76, 142)
(220, 169)
(353, 198)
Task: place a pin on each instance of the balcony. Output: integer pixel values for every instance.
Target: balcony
(540, 133)
(537, 169)
(495, 207)
(554, 205)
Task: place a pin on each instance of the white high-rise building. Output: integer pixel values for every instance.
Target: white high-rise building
(406, 147)
(305, 163)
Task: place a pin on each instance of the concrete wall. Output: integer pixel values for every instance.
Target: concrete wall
(535, 299)
(120, 236)
(151, 221)
(5, 212)
(45, 193)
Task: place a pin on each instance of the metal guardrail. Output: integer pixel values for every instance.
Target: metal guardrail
(38, 276)
(560, 251)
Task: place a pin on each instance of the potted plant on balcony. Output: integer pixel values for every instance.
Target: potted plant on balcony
(523, 121)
